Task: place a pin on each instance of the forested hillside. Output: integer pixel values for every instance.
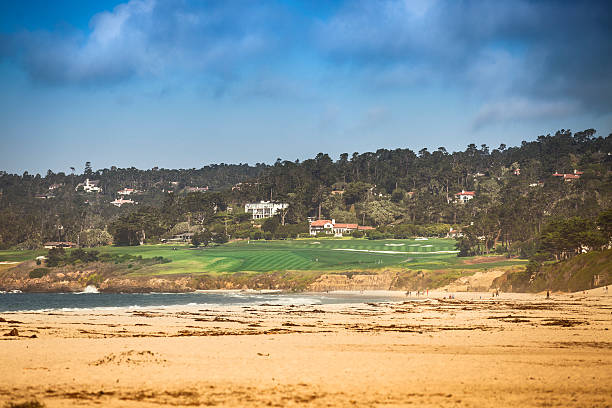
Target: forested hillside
(517, 191)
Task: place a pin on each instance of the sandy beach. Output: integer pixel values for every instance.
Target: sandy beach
(472, 351)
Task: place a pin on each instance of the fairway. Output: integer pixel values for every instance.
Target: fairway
(292, 255)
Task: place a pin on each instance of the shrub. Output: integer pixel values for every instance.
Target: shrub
(373, 234)
(357, 234)
(38, 273)
(56, 257)
(257, 235)
(221, 238)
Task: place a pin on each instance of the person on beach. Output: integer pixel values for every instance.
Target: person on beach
(548, 294)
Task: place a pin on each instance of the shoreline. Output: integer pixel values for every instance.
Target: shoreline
(300, 299)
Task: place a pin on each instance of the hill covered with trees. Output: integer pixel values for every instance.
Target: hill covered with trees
(516, 194)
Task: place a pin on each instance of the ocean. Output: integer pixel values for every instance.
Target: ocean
(90, 299)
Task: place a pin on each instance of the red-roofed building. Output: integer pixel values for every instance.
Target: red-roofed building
(569, 176)
(331, 227)
(126, 191)
(464, 196)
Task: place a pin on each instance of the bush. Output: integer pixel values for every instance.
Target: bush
(220, 238)
(56, 257)
(38, 273)
(357, 234)
(270, 224)
(257, 235)
(373, 234)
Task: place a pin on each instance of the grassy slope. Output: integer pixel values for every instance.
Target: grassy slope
(323, 255)
(568, 276)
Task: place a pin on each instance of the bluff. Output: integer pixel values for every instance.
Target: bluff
(581, 272)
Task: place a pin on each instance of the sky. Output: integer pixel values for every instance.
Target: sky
(187, 83)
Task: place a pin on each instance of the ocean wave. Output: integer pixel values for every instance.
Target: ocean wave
(88, 289)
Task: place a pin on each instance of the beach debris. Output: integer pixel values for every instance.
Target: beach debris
(13, 332)
(562, 322)
(26, 404)
(130, 357)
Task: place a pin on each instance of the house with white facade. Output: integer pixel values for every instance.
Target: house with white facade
(337, 229)
(127, 191)
(264, 209)
(464, 196)
(196, 189)
(569, 176)
(120, 201)
(90, 186)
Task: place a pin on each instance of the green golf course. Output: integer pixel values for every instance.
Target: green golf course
(293, 255)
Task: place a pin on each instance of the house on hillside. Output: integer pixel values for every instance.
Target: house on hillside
(569, 176)
(55, 186)
(331, 227)
(127, 191)
(464, 196)
(120, 201)
(264, 209)
(240, 186)
(196, 189)
(89, 186)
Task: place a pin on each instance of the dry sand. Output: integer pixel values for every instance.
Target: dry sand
(515, 350)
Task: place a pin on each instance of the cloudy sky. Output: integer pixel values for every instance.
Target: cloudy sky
(185, 83)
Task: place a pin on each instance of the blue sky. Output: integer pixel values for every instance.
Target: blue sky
(181, 84)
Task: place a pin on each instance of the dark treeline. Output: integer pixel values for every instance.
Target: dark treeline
(401, 192)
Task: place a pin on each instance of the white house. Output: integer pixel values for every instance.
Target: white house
(127, 191)
(120, 201)
(331, 227)
(464, 196)
(264, 209)
(196, 189)
(90, 186)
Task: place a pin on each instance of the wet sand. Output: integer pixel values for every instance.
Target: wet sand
(472, 351)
